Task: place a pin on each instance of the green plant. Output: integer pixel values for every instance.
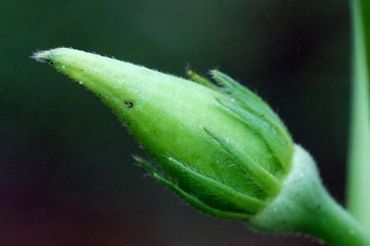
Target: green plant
(222, 149)
(359, 155)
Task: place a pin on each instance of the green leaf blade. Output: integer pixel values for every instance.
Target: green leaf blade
(359, 152)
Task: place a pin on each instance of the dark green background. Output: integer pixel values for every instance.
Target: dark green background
(66, 173)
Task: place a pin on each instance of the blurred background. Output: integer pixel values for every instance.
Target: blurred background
(66, 172)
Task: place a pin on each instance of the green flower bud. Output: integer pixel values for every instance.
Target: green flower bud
(219, 147)
(222, 150)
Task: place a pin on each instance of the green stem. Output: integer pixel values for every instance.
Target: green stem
(359, 152)
(304, 206)
(334, 225)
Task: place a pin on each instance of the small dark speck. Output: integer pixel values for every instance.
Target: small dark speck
(129, 104)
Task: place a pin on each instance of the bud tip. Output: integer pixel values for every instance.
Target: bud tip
(41, 56)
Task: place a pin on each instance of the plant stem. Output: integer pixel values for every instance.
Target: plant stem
(335, 226)
(359, 150)
(304, 206)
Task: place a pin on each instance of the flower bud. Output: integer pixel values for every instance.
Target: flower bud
(222, 149)
(218, 146)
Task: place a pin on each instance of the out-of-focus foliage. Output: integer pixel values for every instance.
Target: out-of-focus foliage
(358, 161)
